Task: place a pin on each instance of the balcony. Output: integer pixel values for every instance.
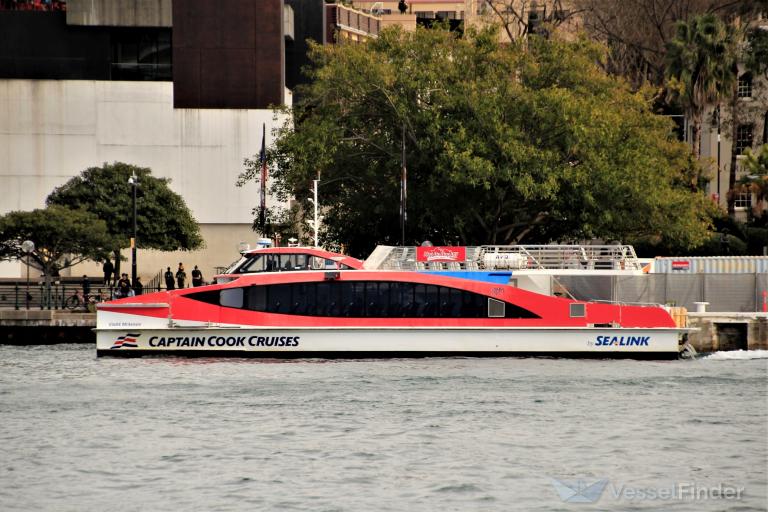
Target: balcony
(350, 23)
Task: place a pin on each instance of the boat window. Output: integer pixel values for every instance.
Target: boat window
(257, 298)
(234, 266)
(255, 263)
(473, 305)
(326, 301)
(231, 298)
(495, 308)
(372, 299)
(292, 262)
(303, 299)
(578, 310)
(301, 262)
(353, 299)
(279, 298)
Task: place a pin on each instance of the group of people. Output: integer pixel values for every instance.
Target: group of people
(179, 279)
(125, 288)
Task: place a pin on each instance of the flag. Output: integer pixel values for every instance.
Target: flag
(263, 162)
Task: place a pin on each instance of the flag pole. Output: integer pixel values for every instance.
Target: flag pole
(403, 194)
(263, 193)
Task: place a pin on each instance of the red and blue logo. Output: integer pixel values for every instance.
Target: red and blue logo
(129, 340)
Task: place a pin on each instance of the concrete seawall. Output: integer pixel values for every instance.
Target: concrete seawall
(45, 327)
(728, 331)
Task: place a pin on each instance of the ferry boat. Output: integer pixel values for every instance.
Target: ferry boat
(305, 313)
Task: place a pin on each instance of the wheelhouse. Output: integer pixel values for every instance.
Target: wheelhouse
(288, 259)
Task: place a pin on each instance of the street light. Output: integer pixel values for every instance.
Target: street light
(27, 246)
(134, 182)
(315, 186)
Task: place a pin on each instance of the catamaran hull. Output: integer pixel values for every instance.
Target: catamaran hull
(282, 342)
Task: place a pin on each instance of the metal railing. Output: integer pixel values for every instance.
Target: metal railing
(559, 257)
(519, 257)
(39, 296)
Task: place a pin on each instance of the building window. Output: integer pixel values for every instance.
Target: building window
(534, 21)
(745, 86)
(743, 200)
(743, 138)
(141, 54)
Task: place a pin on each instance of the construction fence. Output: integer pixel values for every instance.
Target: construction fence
(723, 292)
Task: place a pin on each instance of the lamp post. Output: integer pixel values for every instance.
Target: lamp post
(315, 185)
(718, 155)
(134, 182)
(27, 246)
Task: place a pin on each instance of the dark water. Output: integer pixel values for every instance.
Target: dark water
(80, 433)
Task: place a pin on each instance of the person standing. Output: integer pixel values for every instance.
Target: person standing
(197, 277)
(180, 276)
(169, 279)
(108, 269)
(124, 286)
(138, 288)
(86, 287)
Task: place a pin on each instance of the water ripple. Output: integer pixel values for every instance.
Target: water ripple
(80, 433)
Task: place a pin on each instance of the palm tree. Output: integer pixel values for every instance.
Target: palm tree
(700, 68)
(756, 179)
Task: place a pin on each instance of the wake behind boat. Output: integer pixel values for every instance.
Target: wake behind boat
(359, 313)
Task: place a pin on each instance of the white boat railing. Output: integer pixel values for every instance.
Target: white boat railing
(515, 257)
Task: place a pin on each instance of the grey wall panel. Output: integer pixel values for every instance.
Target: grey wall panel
(123, 13)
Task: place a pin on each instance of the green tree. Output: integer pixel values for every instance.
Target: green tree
(700, 68)
(163, 218)
(63, 237)
(529, 141)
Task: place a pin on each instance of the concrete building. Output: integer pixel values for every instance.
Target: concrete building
(180, 86)
(751, 131)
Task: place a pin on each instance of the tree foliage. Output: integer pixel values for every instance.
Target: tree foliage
(701, 67)
(638, 32)
(519, 18)
(526, 142)
(63, 237)
(163, 218)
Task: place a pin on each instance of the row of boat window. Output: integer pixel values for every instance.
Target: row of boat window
(277, 262)
(370, 299)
